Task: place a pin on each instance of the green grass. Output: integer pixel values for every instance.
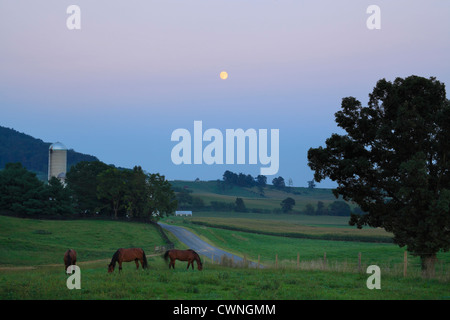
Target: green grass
(340, 255)
(295, 229)
(210, 191)
(287, 225)
(213, 283)
(25, 242)
(31, 266)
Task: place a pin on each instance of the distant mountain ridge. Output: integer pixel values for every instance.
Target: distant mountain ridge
(32, 152)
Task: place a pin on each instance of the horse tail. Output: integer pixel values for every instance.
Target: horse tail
(144, 258)
(166, 255)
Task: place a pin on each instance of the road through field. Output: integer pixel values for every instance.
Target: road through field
(195, 243)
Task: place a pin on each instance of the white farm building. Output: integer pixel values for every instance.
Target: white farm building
(183, 213)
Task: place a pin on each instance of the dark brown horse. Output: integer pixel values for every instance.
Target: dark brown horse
(183, 255)
(127, 255)
(70, 258)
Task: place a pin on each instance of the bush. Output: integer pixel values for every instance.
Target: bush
(287, 204)
(222, 206)
(240, 205)
(339, 208)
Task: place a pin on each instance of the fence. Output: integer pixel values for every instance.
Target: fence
(163, 248)
(405, 266)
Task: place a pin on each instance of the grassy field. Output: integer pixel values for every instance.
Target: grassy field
(27, 242)
(213, 283)
(31, 266)
(295, 227)
(210, 191)
(312, 250)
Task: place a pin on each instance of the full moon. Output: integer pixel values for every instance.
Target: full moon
(223, 75)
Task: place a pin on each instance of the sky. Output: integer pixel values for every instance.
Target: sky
(139, 69)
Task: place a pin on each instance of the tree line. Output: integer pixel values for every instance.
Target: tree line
(336, 208)
(230, 178)
(243, 180)
(92, 188)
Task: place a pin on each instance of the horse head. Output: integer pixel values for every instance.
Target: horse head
(199, 262)
(110, 268)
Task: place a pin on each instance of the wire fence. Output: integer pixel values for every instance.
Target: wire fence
(405, 266)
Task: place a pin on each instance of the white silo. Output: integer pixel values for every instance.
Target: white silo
(57, 161)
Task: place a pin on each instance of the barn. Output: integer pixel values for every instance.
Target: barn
(183, 213)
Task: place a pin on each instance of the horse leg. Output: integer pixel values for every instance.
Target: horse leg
(120, 266)
(137, 263)
(189, 262)
(192, 264)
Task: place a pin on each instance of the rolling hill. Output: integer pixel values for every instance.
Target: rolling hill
(269, 200)
(32, 152)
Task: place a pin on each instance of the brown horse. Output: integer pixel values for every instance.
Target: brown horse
(127, 255)
(70, 258)
(183, 255)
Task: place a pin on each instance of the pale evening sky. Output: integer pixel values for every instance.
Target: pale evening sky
(137, 70)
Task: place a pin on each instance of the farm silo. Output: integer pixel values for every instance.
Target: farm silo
(57, 161)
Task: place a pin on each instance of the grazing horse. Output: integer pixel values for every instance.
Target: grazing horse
(70, 258)
(183, 255)
(127, 255)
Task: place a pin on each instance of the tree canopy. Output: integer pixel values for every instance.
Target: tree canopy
(287, 204)
(394, 162)
(83, 180)
(93, 188)
(21, 192)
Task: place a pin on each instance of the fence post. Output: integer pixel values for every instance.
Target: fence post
(324, 259)
(298, 260)
(405, 263)
(258, 260)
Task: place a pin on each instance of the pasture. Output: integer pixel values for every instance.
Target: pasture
(282, 238)
(213, 283)
(210, 191)
(31, 266)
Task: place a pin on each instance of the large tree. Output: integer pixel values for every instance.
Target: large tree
(112, 188)
(136, 194)
(287, 204)
(279, 183)
(59, 198)
(162, 199)
(83, 180)
(394, 162)
(21, 191)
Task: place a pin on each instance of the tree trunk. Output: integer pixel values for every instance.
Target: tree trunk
(428, 265)
(115, 208)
